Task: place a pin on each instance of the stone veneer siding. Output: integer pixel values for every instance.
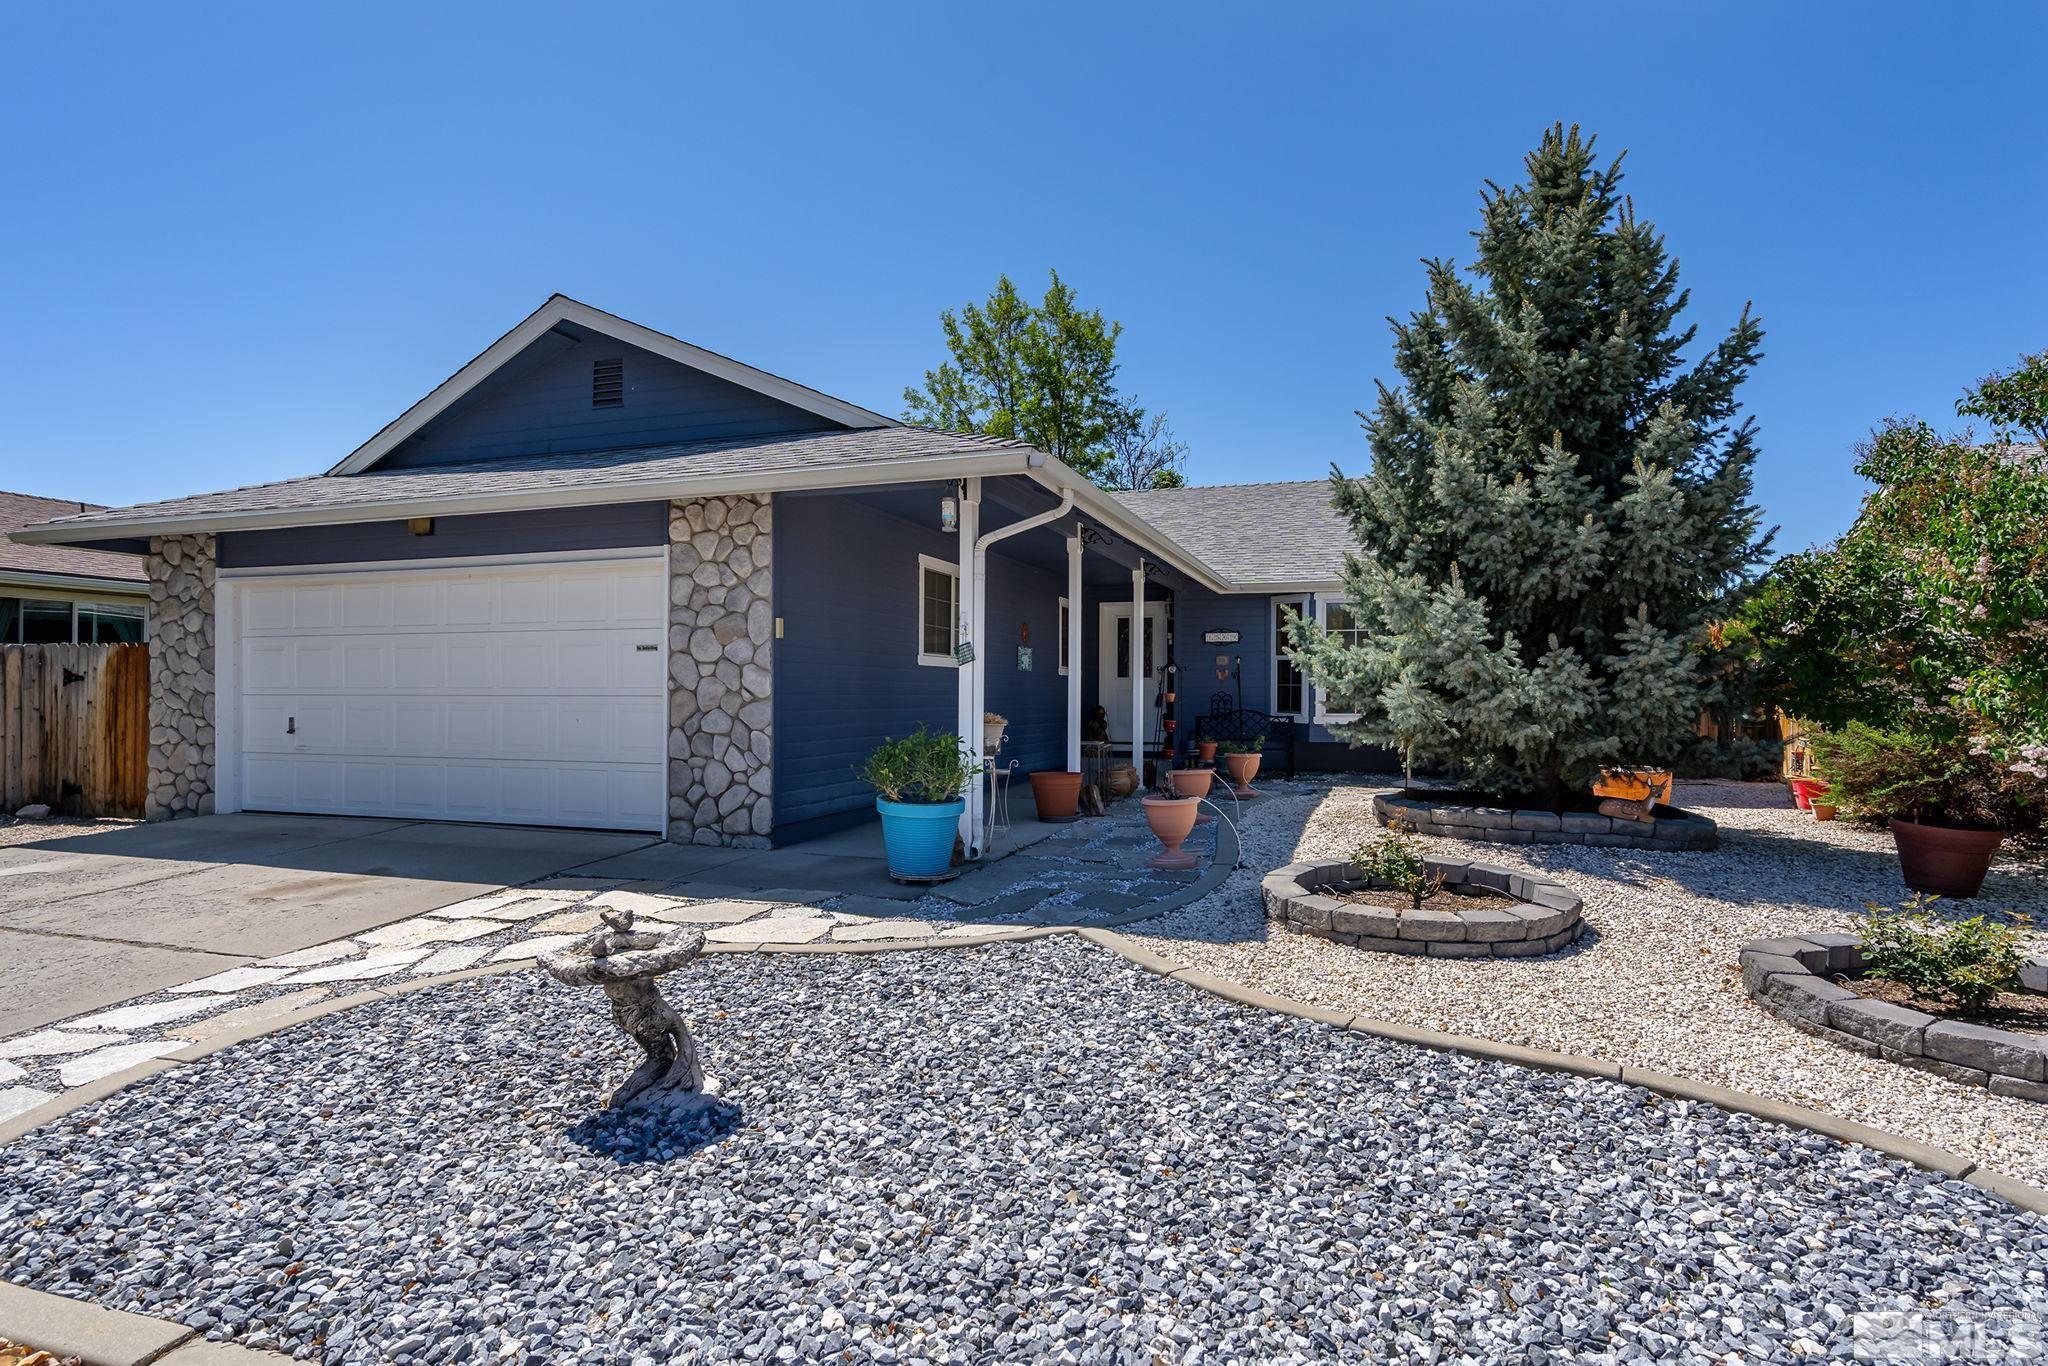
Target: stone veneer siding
(181, 677)
(721, 656)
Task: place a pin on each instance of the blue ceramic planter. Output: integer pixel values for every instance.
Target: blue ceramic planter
(919, 836)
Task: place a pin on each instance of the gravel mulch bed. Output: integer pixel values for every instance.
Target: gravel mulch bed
(1654, 981)
(1028, 1152)
(14, 831)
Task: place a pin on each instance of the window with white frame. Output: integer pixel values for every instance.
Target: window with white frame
(938, 611)
(1336, 617)
(1289, 689)
(1066, 609)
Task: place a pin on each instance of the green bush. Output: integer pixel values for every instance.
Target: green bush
(920, 767)
(1394, 860)
(1965, 964)
(1875, 775)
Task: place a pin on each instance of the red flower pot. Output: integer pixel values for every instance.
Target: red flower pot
(1804, 790)
(1057, 794)
(1944, 860)
(1242, 768)
(1171, 819)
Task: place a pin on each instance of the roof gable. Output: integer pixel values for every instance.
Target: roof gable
(529, 392)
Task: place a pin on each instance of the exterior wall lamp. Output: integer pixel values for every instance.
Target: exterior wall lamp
(949, 513)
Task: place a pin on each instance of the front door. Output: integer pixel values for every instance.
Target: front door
(1113, 668)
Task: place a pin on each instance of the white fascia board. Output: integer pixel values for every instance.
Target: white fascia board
(83, 583)
(560, 309)
(913, 469)
(1100, 507)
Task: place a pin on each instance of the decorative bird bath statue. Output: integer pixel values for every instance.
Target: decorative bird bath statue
(625, 962)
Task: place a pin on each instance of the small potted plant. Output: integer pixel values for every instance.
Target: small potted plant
(919, 781)
(1205, 751)
(1241, 762)
(1805, 789)
(992, 726)
(1948, 807)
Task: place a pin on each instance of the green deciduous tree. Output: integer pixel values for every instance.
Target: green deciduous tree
(1558, 503)
(1045, 373)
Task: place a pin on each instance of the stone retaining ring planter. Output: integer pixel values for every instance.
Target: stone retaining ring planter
(1790, 978)
(1677, 830)
(1547, 920)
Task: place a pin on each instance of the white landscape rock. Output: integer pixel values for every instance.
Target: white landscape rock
(107, 1061)
(713, 912)
(640, 903)
(771, 930)
(47, 1043)
(19, 1100)
(450, 960)
(525, 909)
(11, 1071)
(313, 957)
(235, 979)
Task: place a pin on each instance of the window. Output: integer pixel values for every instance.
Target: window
(1065, 617)
(1290, 692)
(45, 623)
(1337, 620)
(107, 623)
(938, 611)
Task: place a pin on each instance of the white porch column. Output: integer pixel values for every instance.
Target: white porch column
(1138, 672)
(1073, 648)
(969, 629)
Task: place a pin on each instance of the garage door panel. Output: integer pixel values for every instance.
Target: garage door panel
(523, 695)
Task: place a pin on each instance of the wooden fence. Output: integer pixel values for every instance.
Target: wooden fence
(74, 728)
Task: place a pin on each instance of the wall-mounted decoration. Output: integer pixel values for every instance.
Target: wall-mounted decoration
(1024, 659)
(1222, 637)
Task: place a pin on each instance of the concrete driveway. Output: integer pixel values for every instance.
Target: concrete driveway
(90, 920)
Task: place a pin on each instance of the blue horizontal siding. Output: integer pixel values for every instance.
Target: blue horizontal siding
(613, 526)
(541, 402)
(846, 670)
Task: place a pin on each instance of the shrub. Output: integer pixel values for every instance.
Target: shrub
(920, 767)
(1876, 775)
(1966, 964)
(1395, 860)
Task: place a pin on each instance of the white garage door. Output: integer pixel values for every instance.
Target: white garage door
(529, 695)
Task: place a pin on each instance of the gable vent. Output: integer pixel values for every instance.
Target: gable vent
(607, 383)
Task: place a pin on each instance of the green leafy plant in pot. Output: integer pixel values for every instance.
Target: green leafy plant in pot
(919, 781)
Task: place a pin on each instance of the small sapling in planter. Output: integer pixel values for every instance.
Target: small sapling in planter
(1394, 861)
(918, 782)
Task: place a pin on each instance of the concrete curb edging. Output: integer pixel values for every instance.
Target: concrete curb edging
(109, 1337)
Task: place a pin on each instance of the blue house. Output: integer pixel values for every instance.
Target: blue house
(602, 577)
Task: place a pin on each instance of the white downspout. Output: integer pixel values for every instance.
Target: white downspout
(1138, 672)
(969, 708)
(979, 636)
(1073, 648)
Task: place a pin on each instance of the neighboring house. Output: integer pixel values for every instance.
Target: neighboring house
(62, 595)
(602, 577)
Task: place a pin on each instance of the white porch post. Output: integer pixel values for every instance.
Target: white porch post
(970, 673)
(1138, 671)
(1073, 647)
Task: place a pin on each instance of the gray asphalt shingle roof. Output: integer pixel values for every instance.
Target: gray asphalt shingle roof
(1284, 533)
(25, 509)
(581, 470)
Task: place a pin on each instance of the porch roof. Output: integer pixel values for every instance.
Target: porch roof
(1262, 537)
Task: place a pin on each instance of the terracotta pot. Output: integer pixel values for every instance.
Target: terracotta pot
(1242, 769)
(1171, 819)
(1205, 750)
(1943, 860)
(1057, 794)
(1120, 781)
(1823, 811)
(1194, 782)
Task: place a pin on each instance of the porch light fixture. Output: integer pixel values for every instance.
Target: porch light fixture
(949, 513)
(420, 526)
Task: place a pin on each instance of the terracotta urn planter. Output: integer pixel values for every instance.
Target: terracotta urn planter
(1057, 794)
(1205, 750)
(1942, 859)
(1242, 769)
(1194, 782)
(1171, 819)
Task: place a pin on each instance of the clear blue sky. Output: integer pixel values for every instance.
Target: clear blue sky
(238, 239)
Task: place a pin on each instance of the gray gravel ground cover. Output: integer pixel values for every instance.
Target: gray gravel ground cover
(1023, 1152)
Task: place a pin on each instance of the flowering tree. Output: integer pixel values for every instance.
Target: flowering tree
(1929, 617)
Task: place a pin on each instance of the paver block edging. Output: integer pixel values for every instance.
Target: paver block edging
(1786, 978)
(1925, 1156)
(1465, 820)
(1546, 916)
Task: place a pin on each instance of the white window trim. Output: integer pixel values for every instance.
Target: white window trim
(1060, 620)
(1299, 602)
(1322, 717)
(952, 571)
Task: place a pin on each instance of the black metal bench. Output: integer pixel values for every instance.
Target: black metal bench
(1271, 733)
